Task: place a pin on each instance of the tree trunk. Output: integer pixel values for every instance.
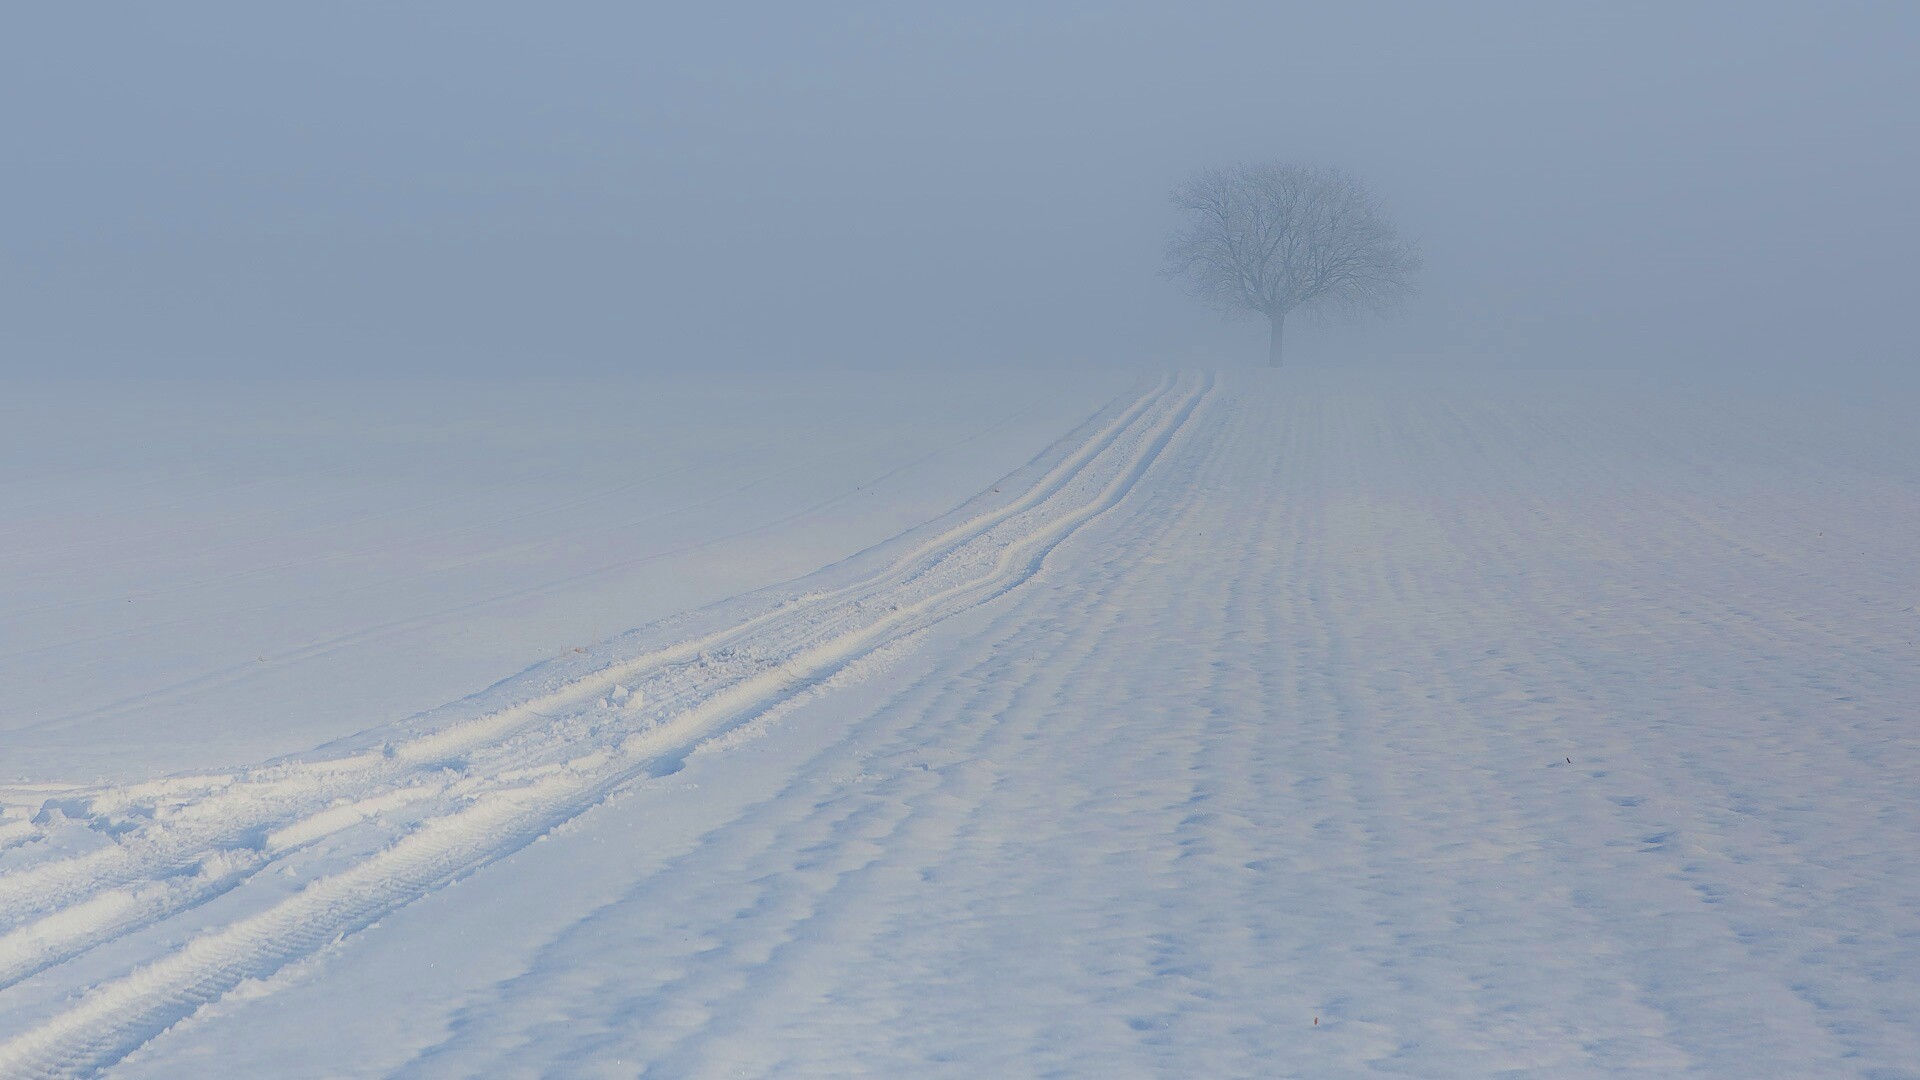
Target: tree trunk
(1273, 343)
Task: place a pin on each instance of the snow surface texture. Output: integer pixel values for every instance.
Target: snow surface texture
(1266, 726)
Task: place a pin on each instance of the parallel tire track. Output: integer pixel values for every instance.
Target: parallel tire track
(193, 818)
(496, 783)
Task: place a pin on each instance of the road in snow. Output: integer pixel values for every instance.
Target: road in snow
(1312, 724)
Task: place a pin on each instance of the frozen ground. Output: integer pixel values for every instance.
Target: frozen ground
(1315, 725)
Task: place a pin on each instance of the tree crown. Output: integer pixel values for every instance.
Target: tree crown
(1272, 238)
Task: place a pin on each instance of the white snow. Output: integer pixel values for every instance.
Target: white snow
(1309, 724)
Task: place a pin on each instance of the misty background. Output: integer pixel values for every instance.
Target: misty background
(589, 188)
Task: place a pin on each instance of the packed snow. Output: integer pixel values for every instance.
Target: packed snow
(1301, 723)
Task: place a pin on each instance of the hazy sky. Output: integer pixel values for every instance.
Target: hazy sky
(585, 187)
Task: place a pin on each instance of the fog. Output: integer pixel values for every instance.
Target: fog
(590, 188)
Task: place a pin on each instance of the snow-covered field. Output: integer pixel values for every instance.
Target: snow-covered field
(197, 575)
(1297, 724)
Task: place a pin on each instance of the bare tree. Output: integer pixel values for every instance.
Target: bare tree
(1273, 239)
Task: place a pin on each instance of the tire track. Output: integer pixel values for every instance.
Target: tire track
(507, 778)
(191, 817)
